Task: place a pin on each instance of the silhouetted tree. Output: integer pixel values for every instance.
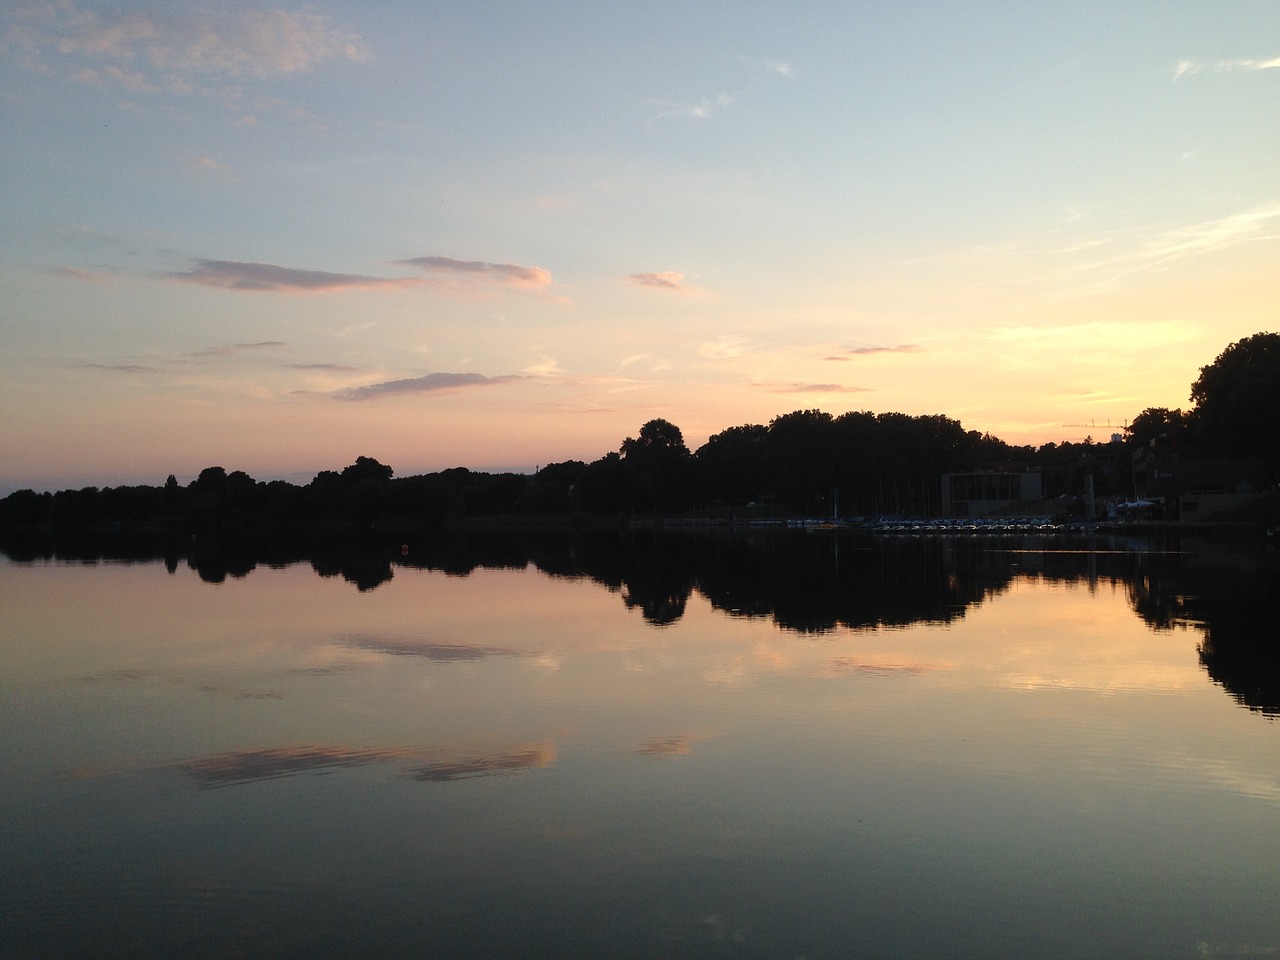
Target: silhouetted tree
(1237, 401)
(1158, 424)
(602, 487)
(172, 498)
(25, 508)
(728, 466)
(565, 473)
(800, 458)
(324, 495)
(365, 468)
(657, 463)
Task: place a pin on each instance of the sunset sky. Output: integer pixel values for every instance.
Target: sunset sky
(496, 235)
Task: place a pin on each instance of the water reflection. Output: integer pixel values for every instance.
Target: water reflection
(802, 582)
(248, 766)
(425, 648)
(628, 744)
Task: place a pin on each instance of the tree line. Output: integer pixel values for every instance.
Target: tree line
(807, 462)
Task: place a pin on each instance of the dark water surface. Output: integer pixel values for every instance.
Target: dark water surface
(595, 745)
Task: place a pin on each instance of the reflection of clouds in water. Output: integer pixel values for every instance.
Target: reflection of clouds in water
(323, 670)
(734, 675)
(549, 662)
(235, 693)
(120, 677)
(464, 768)
(1225, 775)
(678, 746)
(845, 664)
(742, 673)
(246, 766)
(249, 766)
(426, 649)
(145, 677)
(715, 927)
(1213, 951)
(1107, 678)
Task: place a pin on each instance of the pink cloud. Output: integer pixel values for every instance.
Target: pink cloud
(663, 280)
(430, 383)
(511, 274)
(270, 278)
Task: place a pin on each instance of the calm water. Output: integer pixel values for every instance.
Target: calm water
(784, 747)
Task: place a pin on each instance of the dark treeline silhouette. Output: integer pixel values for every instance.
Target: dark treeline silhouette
(1227, 594)
(807, 462)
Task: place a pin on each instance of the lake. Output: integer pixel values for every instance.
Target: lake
(602, 744)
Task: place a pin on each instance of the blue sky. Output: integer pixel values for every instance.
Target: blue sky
(496, 235)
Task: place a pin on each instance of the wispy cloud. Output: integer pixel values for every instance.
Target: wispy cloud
(780, 67)
(324, 367)
(271, 278)
(430, 383)
(229, 349)
(512, 274)
(664, 280)
(1214, 234)
(198, 164)
(75, 273)
(1188, 68)
(544, 366)
(121, 367)
(701, 110)
(1159, 247)
(727, 347)
(174, 49)
(870, 351)
(811, 388)
(83, 235)
(152, 364)
(235, 353)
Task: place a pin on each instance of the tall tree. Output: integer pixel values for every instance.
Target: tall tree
(658, 462)
(1237, 400)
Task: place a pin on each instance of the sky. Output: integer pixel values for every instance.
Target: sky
(275, 237)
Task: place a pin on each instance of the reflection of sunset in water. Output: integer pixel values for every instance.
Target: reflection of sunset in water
(1024, 739)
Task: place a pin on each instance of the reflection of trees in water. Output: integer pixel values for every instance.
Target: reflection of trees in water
(804, 582)
(1241, 651)
(1231, 595)
(814, 583)
(1235, 598)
